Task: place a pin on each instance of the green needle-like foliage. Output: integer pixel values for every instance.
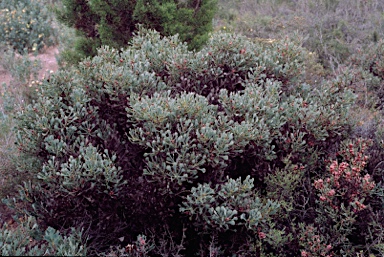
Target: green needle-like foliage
(114, 22)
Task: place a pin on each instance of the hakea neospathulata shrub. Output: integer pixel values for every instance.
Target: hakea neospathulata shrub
(212, 152)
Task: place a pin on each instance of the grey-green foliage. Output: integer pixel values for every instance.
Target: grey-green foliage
(227, 206)
(89, 165)
(124, 141)
(27, 239)
(188, 132)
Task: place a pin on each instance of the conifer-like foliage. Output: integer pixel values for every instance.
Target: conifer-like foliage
(212, 152)
(113, 22)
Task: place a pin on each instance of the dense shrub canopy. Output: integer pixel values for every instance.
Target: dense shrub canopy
(209, 151)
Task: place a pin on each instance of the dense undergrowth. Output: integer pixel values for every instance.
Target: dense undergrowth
(334, 29)
(248, 147)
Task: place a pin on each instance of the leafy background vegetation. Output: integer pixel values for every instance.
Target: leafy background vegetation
(267, 140)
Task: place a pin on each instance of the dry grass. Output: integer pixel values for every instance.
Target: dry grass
(333, 29)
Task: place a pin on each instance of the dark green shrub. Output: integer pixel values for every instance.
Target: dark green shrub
(25, 25)
(190, 147)
(113, 23)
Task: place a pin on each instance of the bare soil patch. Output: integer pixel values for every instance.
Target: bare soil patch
(47, 59)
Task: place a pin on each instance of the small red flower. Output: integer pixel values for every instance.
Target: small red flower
(262, 235)
(331, 192)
